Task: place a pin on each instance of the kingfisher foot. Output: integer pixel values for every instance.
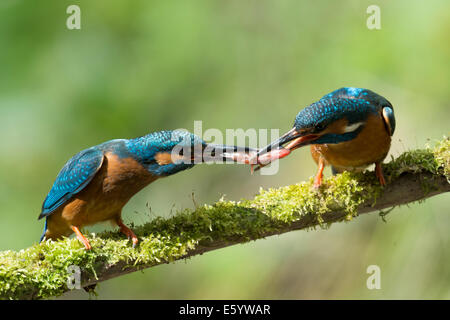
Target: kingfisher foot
(82, 238)
(128, 232)
(379, 173)
(91, 288)
(317, 182)
(319, 175)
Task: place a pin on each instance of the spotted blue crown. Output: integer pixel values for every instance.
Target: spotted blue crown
(353, 104)
(145, 148)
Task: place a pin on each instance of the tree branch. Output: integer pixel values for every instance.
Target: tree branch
(42, 270)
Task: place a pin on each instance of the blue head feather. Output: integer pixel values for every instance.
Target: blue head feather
(325, 111)
(352, 104)
(144, 149)
(359, 93)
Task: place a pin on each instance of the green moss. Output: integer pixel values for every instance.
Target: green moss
(42, 268)
(442, 156)
(434, 160)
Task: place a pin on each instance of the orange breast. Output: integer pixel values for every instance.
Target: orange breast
(104, 197)
(371, 145)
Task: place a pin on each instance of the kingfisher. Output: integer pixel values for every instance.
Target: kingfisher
(96, 183)
(347, 129)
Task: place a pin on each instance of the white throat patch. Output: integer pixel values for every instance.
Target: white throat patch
(353, 127)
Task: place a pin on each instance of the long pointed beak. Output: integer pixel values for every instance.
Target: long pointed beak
(295, 138)
(276, 150)
(288, 136)
(214, 152)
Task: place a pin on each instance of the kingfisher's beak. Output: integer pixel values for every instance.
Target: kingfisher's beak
(282, 147)
(296, 140)
(225, 153)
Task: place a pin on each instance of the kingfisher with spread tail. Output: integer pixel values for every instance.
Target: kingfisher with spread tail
(96, 183)
(347, 129)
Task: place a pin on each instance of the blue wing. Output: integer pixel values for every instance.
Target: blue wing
(72, 178)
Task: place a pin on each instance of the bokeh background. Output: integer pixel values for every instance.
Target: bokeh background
(142, 66)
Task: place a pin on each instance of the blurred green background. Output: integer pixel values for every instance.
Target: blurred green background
(142, 66)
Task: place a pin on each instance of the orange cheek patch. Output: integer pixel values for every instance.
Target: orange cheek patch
(337, 127)
(163, 158)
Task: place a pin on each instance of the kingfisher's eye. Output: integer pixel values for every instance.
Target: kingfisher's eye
(319, 126)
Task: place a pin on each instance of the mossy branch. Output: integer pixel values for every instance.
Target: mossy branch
(41, 271)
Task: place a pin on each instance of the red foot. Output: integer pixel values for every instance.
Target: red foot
(82, 238)
(128, 232)
(379, 173)
(319, 175)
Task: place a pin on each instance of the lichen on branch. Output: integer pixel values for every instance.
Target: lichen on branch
(41, 271)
